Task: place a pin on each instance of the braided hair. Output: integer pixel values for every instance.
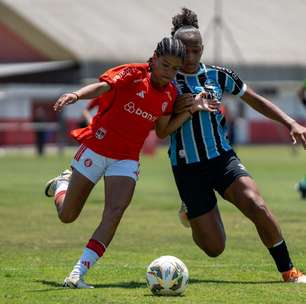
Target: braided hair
(169, 46)
(186, 18)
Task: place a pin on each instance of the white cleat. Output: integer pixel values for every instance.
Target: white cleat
(51, 184)
(183, 215)
(301, 279)
(76, 282)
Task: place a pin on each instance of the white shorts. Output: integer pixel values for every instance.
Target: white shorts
(94, 166)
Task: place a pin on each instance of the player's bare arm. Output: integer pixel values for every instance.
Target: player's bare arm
(183, 103)
(87, 92)
(268, 109)
(166, 125)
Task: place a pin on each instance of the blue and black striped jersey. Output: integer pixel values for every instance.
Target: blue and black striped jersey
(204, 136)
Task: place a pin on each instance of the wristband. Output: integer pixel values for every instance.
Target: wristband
(76, 94)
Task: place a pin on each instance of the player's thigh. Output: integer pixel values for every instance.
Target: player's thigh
(120, 180)
(208, 229)
(119, 191)
(244, 194)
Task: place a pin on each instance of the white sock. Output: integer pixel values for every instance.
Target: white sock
(87, 260)
(61, 185)
(91, 253)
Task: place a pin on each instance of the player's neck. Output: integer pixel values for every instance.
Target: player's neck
(156, 83)
(190, 69)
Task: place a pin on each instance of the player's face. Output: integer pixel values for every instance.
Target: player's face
(165, 68)
(194, 51)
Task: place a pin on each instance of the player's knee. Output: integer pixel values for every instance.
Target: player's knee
(67, 218)
(213, 249)
(257, 206)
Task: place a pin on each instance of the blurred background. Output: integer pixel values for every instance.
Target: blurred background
(49, 47)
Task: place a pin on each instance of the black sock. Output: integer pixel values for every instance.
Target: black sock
(281, 257)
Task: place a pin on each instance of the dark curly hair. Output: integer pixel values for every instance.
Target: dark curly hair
(169, 46)
(186, 17)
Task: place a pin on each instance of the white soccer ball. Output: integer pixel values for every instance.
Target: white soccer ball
(167, 275)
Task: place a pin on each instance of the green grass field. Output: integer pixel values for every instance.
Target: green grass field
(37, 251)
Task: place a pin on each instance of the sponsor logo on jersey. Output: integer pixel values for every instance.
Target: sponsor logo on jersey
(122, 74)
(141, 94)
(100, 133)
(164, 106)
(131, 108)
(228, 71)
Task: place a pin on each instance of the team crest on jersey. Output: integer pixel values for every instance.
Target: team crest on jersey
(213, 87)
(164, 106)
(100, 133)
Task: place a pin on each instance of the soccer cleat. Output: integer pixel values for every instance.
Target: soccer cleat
(51, 184)
(183, 215)
(294, 276)
(76, 282)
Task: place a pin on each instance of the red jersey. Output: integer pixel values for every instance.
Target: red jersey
(127, 112)
(95, 102)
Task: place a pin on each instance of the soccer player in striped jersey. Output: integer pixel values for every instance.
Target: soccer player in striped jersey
(203, 161)
(134, 99)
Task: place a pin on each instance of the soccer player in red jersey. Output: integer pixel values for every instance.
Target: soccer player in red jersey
(134, 99)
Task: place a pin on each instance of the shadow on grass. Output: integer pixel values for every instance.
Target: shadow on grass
(196, 281)
(59, 286)
(133, 284)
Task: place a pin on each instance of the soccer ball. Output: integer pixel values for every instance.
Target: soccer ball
(168, 276)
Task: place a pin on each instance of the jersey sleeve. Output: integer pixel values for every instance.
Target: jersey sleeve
(231, 82)
(122, 75)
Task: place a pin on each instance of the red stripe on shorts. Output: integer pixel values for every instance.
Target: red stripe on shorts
(80, 152)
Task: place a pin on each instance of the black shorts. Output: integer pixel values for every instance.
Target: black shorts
(197, 182)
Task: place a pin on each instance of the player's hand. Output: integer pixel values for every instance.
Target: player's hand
(183, 103)
(205, 102)
(66, 99)
(298, 134)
